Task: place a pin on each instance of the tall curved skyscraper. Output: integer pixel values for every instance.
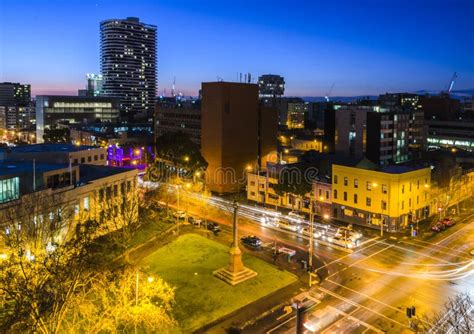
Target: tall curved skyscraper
(128, 66)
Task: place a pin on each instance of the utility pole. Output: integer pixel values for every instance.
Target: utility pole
(311, 235)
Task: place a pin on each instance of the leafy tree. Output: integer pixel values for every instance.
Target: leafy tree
(109, 303)
(56, 135)
(291, 182)
(178, 151)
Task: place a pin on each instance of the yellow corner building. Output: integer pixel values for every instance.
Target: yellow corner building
(367, 194)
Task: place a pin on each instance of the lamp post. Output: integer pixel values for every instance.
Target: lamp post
(311, 235)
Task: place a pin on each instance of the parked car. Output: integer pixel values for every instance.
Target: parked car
(438, 227)
(195, 220)
(213, 227)
(252, 241)
(448, 222)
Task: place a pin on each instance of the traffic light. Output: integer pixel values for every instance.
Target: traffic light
(411, 311)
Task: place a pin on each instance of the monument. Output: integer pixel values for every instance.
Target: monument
(235, 272)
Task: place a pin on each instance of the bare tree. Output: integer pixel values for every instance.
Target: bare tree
(457, 316)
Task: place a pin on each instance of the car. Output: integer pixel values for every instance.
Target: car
(448, 222)
(289, 226)
(295, 217)
(348, 232)
(346, 243)
(438, 227)
(195, 221)
(213, 227)
(252, 241)
(180, 214)
(268, 220)
(316, 232)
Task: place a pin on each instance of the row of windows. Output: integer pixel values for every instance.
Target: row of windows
(89, 159)
(370, 185)
(368, 200)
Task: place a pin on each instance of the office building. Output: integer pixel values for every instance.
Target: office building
(296, 114)
(404, 100)
(395, 135)
(128, 66)
(66, 196)
(15, 106)
(237, 134)
(441, 107)
(271, 86)
(367, 194)
(54, 109)
(93, 85)
(59, 154)
(385, 135)
(450, 134)
(345, 131)
(175, 115)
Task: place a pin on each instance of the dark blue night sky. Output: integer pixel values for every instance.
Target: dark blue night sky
(363, 47)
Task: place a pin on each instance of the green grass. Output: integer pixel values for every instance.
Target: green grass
(187, 264)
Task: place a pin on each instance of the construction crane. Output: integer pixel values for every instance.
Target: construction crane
(329, 93)
(451, 84)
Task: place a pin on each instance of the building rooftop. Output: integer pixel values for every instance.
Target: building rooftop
(26, 167)
(392, 169)
(37, 148)
(90, 173)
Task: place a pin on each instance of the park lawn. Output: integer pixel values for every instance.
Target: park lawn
(187, 264)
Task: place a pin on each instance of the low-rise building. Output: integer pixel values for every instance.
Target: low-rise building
(59, 153)
(393, 196)
(34, 193)
(54, 109)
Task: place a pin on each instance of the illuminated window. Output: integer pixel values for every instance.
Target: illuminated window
(384, 188)
(355, 198)
(369, 185)
(356, 183)
(368, 201)
(346, 181)
(335, 179)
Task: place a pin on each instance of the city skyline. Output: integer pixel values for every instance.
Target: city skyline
(311, 48)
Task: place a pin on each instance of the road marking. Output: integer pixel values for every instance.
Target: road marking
(414, 241)
(279, 325)
(349, 316)
(358, 261)
(343, 257)
(360, 305)
(437, 250)
(419, 253)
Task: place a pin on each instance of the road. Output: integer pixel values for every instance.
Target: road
(368, 289)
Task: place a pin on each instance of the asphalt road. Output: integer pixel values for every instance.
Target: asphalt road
(370, 289)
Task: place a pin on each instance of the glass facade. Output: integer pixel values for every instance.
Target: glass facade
(9, 189)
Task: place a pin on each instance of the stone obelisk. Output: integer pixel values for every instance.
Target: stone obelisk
(235, 272)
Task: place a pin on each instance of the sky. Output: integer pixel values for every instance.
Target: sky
(360, 47)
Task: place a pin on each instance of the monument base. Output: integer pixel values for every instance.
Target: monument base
(234, 277)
